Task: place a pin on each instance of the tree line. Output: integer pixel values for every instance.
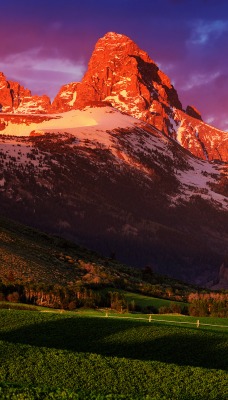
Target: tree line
(78, 295)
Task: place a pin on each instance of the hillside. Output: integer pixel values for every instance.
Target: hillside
(28, 256)
(115, 184)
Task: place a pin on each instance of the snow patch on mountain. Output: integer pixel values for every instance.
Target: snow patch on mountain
(131, 143)
(105, 118)
(198, 180)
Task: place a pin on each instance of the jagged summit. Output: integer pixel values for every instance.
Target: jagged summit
(123, 74)
(114, 36)
(15, 98)
(118, 43)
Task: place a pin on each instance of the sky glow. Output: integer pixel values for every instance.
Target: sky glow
(46, 44)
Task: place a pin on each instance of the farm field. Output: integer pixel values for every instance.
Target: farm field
(147, 301)
(77, 355)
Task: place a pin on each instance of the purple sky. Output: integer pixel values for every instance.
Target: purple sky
(45, 44)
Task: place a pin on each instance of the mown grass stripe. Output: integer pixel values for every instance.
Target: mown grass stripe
(161, 320)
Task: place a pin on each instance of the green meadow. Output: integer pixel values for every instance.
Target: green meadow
(147, 301)
(86, 355)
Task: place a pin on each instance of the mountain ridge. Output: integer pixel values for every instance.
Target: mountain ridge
(123, 75)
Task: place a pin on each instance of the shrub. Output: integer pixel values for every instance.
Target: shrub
(13, 297)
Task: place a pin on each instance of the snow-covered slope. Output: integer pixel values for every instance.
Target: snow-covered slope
(70, 121)
(99, 126)
(202, 140)
(118, 185)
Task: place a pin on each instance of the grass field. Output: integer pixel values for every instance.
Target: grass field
(146, 301)
(48, 355)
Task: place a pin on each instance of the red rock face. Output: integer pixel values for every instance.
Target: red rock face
(193, 112)
(201, 139)
(34, 104)
(122, 74)
(125, 76)
(65, 99)
(15, 98)
(6, 101)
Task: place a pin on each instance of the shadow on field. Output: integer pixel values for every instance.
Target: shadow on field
(129, 339)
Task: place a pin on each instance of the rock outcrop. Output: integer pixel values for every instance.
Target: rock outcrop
(202, 140)
(6, 100)
(124, 75)
(15, 98)
(66, 98)
(193, 112)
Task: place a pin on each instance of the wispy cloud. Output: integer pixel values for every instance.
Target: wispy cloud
(33, 60)
(42, 75)
(204, 31)
(200, 80)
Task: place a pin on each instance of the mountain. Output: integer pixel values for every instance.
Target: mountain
(15, 98)
(124, 76)
(117, 185)
(120, 73)
(144, 181)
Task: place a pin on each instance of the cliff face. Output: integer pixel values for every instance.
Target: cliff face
(124, 75)
(66, 97)
(15, 98)
(202, 140)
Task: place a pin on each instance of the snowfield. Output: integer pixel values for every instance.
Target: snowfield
(99, 127)
(104, 118)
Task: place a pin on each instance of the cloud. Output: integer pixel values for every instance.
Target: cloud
(42, 74)
(200, 80)
(204, 31)
(31, 60)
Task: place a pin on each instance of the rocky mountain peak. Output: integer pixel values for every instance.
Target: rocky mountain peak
(112, 37)
(15, 98)
(124, 75)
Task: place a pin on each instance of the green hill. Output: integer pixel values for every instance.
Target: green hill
(77, 356)
(50, 271)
